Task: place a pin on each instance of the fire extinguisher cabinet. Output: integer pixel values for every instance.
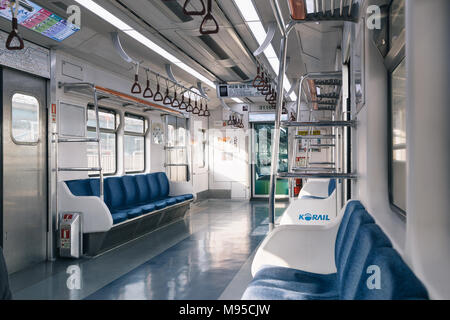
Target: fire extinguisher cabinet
(71, 235)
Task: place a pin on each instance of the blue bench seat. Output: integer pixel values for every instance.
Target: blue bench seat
(360, 244)
(130, 197)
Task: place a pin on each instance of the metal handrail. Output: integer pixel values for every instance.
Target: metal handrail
(285, 30)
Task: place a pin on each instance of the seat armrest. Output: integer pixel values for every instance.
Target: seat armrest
(301, 247)
(180, 188)
(300, 210)
(96, 215)
(317, 188)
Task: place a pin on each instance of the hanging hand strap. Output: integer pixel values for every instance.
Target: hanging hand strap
(158, 96)
(208, 18)
(148, 93)
(136, 88)
(14, 34)
(194, 13)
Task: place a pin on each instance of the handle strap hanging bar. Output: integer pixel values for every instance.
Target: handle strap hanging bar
(136, 88)
(14, 34)
(148, 93)
(167, 99)
(175, 102)
(158, 96)
(194, 12)
(209, 17)
(189, 107)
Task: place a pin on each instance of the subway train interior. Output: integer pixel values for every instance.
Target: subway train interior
(225, 150)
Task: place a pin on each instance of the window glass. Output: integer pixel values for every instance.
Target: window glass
(397, 78)
(134, 125)
(25, 118)
(398, 105)
(108, 138)
(108, 144)
(396, 20)
(107, 119)
(134, 144)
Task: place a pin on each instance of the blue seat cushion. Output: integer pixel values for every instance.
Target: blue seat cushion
(312, 198)
(115, 192)
(160, 204)
(164, 185)
(171, 201)
(131, 190)
(369, 238)
(397, 281)
(130, 212)
(279, 290)
(179, 199)
(331, 187)
(143, 189)
(349, 209)
(188, 196)
(119, 217)
(358, 218)
(147, 208)
(153, 185)
(80, 188)
(308, 283)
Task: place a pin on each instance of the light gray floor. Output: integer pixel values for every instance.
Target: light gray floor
(206, 256)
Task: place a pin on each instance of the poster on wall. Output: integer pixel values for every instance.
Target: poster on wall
(40, 20)
(157, 133)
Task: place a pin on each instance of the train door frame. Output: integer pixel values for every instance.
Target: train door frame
(44, 133)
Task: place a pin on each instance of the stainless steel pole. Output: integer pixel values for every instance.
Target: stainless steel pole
(276, 133)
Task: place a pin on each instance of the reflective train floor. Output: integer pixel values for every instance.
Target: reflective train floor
(207, 256)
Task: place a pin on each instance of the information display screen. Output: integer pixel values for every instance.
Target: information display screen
(41, 21)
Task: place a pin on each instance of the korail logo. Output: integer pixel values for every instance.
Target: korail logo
(313, 217)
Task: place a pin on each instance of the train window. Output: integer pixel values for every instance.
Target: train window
(134, 143)
(108, 138)
(25, 119)
(397, 80)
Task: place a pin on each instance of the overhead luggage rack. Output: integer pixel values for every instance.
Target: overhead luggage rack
(87, 89)
(298, 175)
(300, 137)
(350, 123)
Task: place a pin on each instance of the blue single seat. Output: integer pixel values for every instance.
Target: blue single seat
(309, 285)
(397, 281)
(165, 190)
(116, 200)
(80, 188)
(361, 248)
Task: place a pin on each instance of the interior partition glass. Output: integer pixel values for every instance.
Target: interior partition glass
(262, 152)
(177, 167)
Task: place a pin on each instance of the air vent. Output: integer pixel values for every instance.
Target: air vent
(239, 72)
(212, 44)
(221, 54)
(177, 9)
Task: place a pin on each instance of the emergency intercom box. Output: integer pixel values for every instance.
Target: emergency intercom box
(71, 235)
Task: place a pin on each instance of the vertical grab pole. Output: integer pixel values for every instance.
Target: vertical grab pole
(276, 134)
(99, 144)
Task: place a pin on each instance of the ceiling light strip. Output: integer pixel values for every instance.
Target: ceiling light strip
(251, 17)
(119, 24)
